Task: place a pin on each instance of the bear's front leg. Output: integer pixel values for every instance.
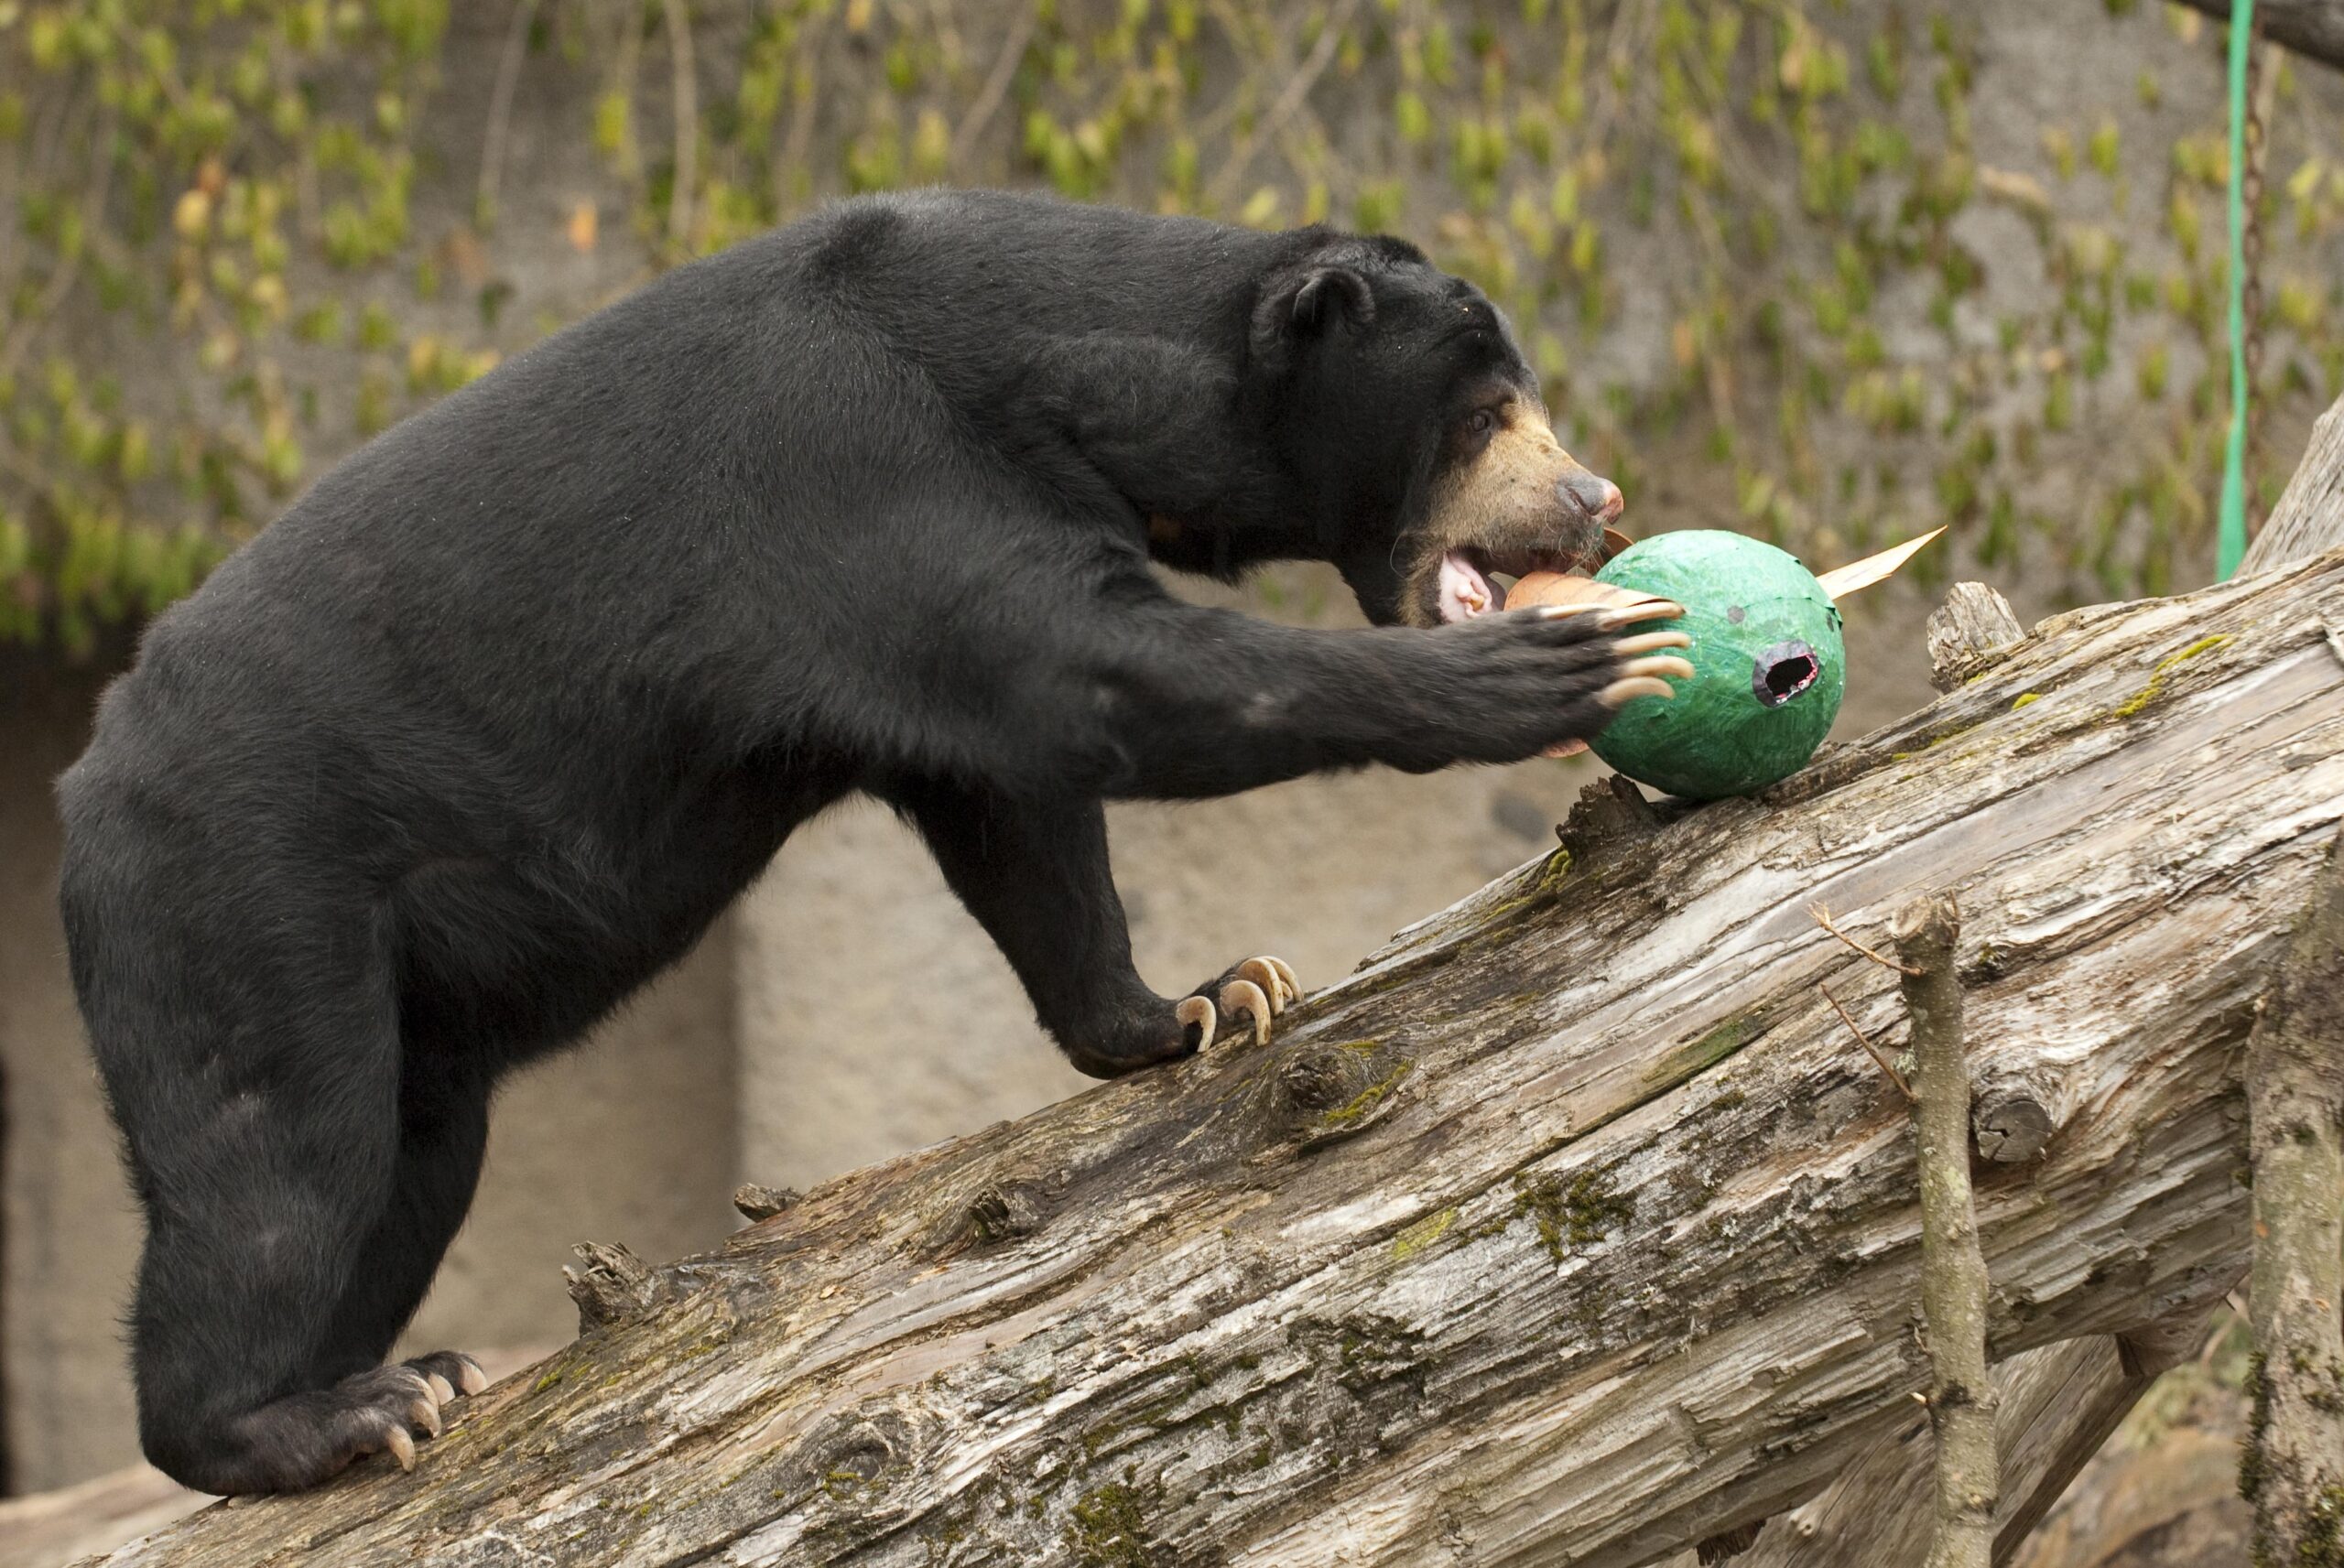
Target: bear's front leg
(1198, 702)
(1035, 874)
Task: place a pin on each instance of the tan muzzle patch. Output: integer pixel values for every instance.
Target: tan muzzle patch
(1522, 494)
(1521, 504)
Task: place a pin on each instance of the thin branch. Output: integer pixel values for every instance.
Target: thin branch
(2313, 28)
(1823, 918)
(500, 108)
(1289, 99)
(1873, 1051)
(803, 109)
(1962, 1397)
(686, 106)
(997, 87)
(68, 268)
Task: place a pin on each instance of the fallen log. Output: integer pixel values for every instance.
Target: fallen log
(1573, 1227)
(2055, 1405)
(2059, 1402)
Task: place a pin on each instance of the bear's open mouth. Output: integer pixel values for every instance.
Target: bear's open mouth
(1471, 577)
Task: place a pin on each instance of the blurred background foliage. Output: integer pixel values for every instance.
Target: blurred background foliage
(1777, 271)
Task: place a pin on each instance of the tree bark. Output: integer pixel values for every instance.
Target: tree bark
(1613, 1248)
(2294, 1469)
(1966, 630)
(1961, 1397)
(2313, 29)
(2060, 1402)
(2309, 517)
(2057, 1406)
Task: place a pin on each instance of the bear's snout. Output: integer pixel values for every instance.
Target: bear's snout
(1591, 495)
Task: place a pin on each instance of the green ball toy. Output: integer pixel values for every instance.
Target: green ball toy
(1768, 666)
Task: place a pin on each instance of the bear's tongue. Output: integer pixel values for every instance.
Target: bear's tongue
(1466, 591)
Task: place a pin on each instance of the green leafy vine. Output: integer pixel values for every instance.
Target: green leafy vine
(1773, 272)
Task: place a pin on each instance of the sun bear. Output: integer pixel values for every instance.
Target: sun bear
(491, 724)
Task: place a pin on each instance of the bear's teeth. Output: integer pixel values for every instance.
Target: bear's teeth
(1465, 591)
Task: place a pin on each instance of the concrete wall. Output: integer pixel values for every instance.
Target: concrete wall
(71, 1229)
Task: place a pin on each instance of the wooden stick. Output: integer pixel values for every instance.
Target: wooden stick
(2294, 1469)
(1864, 1040)
(1822, 917)
(1963, 1398)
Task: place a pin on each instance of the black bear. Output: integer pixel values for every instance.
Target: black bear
(489, 727)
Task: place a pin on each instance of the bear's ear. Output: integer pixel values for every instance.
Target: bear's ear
(1327, 292)
(1308, 304)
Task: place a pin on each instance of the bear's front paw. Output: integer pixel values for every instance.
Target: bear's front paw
(1258, 988)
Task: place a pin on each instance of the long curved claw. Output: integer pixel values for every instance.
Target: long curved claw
(1621, 692)
(1646, 641)
(1276, 978)
(1257, 990)
(1246, 999)
(1197, 1013)
(1650, 610)
(451, 1374)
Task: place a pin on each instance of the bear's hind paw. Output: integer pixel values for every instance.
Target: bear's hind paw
(450, 1373)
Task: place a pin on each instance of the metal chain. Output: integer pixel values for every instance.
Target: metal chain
(2259, 60)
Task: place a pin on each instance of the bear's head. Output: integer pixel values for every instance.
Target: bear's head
(1402, 403)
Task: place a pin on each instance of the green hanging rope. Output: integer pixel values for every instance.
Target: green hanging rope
(2232, 542)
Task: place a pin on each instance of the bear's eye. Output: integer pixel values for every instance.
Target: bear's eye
(1482, 422)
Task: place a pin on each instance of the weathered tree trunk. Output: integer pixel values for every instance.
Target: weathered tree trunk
(2057, 1405)
(2313, 29)
(2309, 517)
(2060, 1402)
(1573, 1227)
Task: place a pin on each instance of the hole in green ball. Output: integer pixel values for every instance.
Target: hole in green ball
(1782, 671)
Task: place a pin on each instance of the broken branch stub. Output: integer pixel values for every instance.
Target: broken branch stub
(611, 1286)
(1965, 632)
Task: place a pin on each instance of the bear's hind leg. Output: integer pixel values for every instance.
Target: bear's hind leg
(443, 1134)
(251, 1054)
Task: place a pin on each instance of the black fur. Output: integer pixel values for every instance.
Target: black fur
(487, 728)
